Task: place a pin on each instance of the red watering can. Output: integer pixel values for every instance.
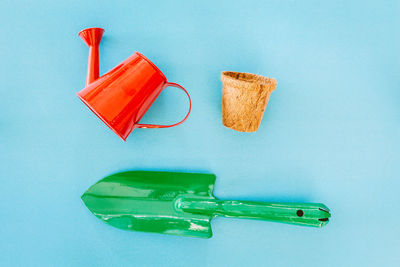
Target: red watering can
(122, 96)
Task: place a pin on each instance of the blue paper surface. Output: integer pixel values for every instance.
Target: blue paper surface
(330, 132)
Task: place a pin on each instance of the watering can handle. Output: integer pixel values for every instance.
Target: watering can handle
(172, 125)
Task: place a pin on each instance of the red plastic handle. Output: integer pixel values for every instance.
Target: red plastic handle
(172, 125)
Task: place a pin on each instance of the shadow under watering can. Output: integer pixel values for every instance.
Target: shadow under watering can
(122, 96)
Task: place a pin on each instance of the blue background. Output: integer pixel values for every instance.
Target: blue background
(330, 133)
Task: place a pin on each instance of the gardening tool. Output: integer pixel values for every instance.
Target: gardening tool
(183, 204)
(122, 96)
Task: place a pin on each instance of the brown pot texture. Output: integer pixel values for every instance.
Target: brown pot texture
(244, 99)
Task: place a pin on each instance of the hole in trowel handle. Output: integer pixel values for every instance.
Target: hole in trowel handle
(300, 213)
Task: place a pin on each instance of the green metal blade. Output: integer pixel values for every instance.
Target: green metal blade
(144, 201)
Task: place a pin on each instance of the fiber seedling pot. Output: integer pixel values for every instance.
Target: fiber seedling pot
(244, 99)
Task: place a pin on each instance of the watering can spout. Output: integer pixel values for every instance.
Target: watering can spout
(92, 37)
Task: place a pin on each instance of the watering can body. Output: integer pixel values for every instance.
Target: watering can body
(122, 96)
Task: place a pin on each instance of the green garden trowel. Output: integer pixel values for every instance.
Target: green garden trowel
(183, 204)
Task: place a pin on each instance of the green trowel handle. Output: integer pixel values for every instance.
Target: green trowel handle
(306, 214)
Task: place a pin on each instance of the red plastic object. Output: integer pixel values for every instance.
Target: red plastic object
(122, 96)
